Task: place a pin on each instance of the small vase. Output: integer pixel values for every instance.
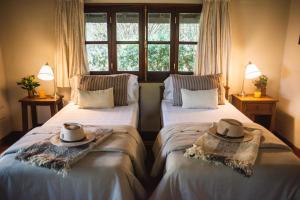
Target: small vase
(263, 91)
(31, 93)
(257, 94)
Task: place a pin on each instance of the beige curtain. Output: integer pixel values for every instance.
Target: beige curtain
(213, 52)
(70, 58)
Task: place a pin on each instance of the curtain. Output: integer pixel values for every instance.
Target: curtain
(70, 58)
(213, 51)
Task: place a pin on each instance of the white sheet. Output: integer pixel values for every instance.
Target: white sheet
(176, 114)
(121, 115)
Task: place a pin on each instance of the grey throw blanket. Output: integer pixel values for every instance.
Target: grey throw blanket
(239, 156)
(58, 158)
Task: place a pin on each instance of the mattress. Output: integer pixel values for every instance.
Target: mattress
(176, 114)
(120, 115)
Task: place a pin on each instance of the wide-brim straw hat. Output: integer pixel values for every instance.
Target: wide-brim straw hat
(89, 137)
(235, 134)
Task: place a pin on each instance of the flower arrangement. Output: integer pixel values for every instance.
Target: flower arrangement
(261, 84)
(29, 83)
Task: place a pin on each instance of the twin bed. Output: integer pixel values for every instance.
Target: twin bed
(276, 171)
(116, 170)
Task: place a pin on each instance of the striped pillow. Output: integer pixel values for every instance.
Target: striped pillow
(192, 82)
(102, 82)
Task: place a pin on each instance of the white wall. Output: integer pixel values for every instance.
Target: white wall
(258, 35)
(27, 39)
(5, 125)
(288, 115)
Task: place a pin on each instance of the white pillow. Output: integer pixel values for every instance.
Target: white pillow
(200, 98)
(168, 92)
(132, 89)
(96, 99)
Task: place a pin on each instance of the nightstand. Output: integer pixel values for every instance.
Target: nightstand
(260, 110)
(55, 105)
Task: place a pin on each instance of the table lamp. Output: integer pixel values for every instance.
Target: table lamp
(46, 74)
(251, 72)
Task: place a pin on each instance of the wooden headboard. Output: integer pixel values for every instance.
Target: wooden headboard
(162, 88)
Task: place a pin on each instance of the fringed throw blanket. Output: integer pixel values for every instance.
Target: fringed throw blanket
(58, 158)
(179, 137)
(239, 156)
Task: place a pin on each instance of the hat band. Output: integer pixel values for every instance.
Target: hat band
(73, 141)
(229, 137)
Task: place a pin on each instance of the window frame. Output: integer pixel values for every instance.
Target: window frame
(143, 10)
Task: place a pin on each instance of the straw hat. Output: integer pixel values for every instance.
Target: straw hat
(71, 135)
(55, 140)
(230, 130)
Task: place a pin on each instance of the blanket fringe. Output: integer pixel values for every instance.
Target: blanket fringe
(239, 166)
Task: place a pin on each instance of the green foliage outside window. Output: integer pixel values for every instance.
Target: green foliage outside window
(128, 54)
(128, 58)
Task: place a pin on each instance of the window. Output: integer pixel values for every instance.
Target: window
(188, 37)
(96, 41)
(128, 41)
(149, 40)
(159, 40)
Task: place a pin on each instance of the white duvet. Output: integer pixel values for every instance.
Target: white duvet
(176, 114)
(120, 115)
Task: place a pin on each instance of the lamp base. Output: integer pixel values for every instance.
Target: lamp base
(55, 96)
(242, 94)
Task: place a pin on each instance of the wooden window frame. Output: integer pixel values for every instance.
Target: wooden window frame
(143, 10)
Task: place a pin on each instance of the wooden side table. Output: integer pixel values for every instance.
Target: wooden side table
(260, 110)
(55, 105)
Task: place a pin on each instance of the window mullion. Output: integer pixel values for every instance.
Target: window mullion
(143, 43)
(174, 22)
(113, 62)
(109, 39)
(176, 42)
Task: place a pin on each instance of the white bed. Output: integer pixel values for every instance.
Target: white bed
(276, 172)
(113, 171)
(176, 114)
(120, 115)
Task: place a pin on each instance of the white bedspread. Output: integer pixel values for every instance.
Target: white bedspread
(121, 115)
(102, 174)
(277, 170)
(176, 114)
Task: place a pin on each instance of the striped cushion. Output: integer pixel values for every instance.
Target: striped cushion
(192, 82)
(102, 82)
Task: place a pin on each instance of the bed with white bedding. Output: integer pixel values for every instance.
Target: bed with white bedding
(105, 174)
(113, 170)
(276, 172)
(175, 114)
(120, 115)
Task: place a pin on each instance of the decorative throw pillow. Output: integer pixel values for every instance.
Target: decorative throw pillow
(96, 98)
(200, 98)
(101, 82)
(193, 82)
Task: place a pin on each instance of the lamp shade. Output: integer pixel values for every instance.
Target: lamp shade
(252, 71)
(46, 73)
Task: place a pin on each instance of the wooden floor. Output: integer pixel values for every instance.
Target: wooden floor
(9, 140)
